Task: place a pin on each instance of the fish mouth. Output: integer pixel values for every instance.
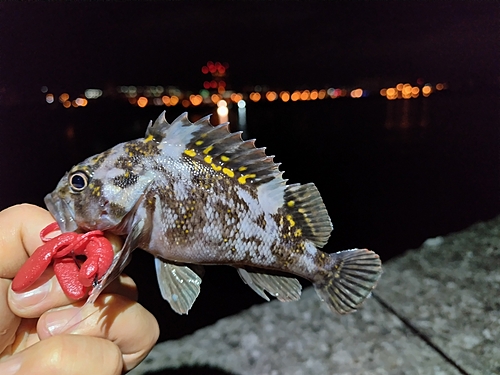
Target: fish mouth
(62, 212)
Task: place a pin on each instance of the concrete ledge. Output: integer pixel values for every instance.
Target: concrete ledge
(448, 289)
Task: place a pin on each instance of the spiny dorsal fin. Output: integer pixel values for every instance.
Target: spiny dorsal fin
(308, 211)
(218, 148)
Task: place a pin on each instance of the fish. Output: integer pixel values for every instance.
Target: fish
(194, 195)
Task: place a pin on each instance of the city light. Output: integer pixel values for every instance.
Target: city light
(217, 90)
(93, 93)
(271, 96)
(285, 96)
(254, 96)
(142, 101)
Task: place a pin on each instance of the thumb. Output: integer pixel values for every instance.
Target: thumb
(66, 354)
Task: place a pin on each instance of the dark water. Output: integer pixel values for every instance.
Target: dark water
(392, 173)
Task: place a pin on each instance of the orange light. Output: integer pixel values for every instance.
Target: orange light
(67, 104)
(63, 97)
(304, 95)
(399, 87)
(236, 97)
(185, 103)
(174, 100)
(439, 86)
(271, 96)
(195, 99)
(383, 92)
(81, 102)
(285, 96)
(166, 100)
(255, 96)
(391, 93)
(295, 96)
(215, 98)
(132, 101)
(357, 93)
(314, 94)
(322, 94)
(426, 90)
(142, 101)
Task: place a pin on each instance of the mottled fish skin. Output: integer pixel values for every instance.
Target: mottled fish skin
(203, 196)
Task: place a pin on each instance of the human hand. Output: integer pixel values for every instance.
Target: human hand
(109, 337)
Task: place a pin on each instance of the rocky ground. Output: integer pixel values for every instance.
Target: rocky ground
(436, 311)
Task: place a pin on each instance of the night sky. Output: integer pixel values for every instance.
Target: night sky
(284, 44)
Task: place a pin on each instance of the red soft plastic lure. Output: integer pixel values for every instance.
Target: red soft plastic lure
(74, 276)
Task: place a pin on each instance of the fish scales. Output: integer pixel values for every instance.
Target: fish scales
(194, 194)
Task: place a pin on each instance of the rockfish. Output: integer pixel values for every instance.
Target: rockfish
(193, 194)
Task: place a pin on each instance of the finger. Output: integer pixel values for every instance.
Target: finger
(47, 294)
(126, 323)
(9, 322)
(68, 355)
(20, 235)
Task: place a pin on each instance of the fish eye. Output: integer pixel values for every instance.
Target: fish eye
(78, 181)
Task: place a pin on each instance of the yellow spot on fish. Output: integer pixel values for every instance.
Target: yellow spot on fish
(216, 167)
(225, 239)
(228, 172)
(301, 210)
(243, 178)
(291, 203)
(242, 169)
(224, 158)
(126, 174)
(130, 154)
(198, 143)
(290, 220)
(186, 231)
(208, 149)
(298, 233)
(190, 152)
(149, 138)
(208, 159)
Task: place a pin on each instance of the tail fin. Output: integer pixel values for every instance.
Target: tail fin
(352, 274)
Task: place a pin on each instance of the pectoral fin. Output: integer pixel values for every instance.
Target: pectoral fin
(283, 288)
(120, 261)
(179, 285)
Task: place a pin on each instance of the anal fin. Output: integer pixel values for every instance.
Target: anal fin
(283, 288)
(179, 285)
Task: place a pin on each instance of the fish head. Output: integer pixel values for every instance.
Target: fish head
(100, 193)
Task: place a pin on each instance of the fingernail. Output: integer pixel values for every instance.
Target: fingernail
(11, 365)
(63, 321)
(32, 297)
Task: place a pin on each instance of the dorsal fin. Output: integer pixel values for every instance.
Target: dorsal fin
(308, 211)
(217, 147)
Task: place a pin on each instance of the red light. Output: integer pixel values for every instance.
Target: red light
(209, 64)
(213, 84)
(206, 85)
(204, 70)
(221, 69)
(212, 69)
(222, 84)
(218, 64)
